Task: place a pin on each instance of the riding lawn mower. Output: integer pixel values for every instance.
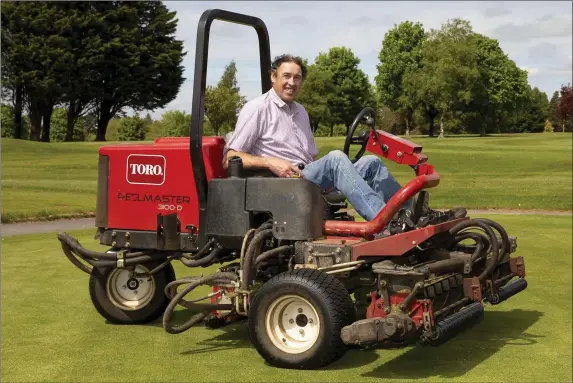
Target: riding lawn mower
(310, 279)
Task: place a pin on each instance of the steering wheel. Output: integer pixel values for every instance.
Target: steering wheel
(369, 116)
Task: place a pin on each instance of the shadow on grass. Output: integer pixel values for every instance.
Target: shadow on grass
(465, 351)
(452, 359)
(232, 336)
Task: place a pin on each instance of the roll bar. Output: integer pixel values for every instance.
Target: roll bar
(200, 79)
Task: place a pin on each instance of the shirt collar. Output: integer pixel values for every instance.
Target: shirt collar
(281, 104)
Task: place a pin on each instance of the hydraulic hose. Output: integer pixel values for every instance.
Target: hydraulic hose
(445, 265)
(479, 247)
(205, 261)
(250, 255)
(201, 252)
(76, 259)
(245, 244)
(178, 299)
(493, 241)
(269, 253)
(506, 246)
(73, 243)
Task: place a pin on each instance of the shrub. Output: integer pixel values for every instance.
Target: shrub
(548, 127)
(131, 129)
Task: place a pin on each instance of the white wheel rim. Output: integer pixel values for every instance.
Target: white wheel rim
(292, 323)
(129, 293)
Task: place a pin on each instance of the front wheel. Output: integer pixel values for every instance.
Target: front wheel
(122, 299)
(296, 318)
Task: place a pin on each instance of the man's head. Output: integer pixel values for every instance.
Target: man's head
(287, 74)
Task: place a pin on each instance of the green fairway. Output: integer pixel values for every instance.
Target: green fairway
(51, 332)
(529, 171)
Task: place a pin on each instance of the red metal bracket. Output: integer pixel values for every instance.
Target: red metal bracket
(472, 289)
(517, 266)
(398, 244)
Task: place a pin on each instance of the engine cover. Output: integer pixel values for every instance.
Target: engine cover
(136, 183)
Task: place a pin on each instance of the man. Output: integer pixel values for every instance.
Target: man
(273, 132)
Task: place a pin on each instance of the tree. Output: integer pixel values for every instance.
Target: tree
(229, 77)
(131, 129)
(12, 83)
(221, 108)
(175, 123)
(506, 85)
(79, 86)
(530, 114)
(35, 60)
(400, 53)
(548, 128)
(448, 78)
(552, 108)
(138, 61)
(223, 102)
(101, 55)
(317, 89)
(565, 107)
(352, 89)
(7, 120)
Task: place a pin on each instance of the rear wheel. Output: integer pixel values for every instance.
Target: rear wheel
(296, 318)
(122, 299)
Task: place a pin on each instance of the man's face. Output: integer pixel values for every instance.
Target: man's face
(287, 81)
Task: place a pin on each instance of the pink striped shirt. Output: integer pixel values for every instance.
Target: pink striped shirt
(269, 127)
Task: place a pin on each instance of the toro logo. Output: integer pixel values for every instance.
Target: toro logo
(145, 169)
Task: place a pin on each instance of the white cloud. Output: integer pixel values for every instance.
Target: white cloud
(536, 35)
(531, 71)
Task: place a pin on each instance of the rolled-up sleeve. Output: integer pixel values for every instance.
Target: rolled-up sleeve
(247, 130)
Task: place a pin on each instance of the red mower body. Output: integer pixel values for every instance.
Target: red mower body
(145, 180)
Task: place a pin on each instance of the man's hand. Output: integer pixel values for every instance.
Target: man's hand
(281, 168)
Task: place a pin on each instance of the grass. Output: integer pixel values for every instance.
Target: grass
(46, 181)
(527, 171)
(51, 332)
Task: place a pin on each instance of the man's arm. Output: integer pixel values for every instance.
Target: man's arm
(280, 167)
(249, 160)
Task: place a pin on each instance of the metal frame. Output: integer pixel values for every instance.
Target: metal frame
(200, 79)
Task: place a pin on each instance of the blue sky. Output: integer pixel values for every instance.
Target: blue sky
(536, 35)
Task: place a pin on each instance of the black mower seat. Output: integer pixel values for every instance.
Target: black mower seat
(334, 197)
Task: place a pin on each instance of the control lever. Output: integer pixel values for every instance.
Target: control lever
(300, 167)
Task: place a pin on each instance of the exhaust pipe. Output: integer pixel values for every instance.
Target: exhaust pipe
(508, 291)
(451, 325)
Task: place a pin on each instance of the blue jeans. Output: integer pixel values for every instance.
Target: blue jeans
(367, 184)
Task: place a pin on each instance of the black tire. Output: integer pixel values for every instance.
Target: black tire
(331, 302)
(153, 309)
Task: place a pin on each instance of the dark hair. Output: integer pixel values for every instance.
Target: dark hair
(288, 58)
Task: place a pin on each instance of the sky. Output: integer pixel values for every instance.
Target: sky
(537, 36)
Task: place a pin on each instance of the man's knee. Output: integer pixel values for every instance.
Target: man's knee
(337, 154)
(338, 157)
(372, 161)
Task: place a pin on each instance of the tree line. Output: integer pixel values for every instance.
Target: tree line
(71, 69)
